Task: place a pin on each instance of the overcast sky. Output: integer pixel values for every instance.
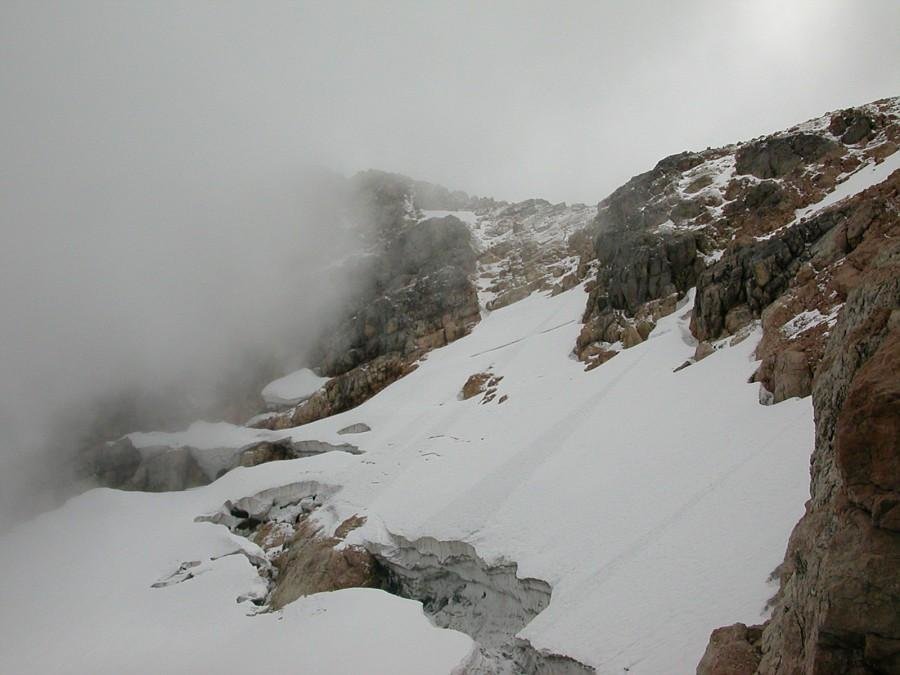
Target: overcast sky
(154, 205)
(511, 99)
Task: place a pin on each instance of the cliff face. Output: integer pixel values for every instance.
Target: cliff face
(415, 293)
(798, 233)
(827, 291)
(739, 222)
(838, 609)
(838, 606)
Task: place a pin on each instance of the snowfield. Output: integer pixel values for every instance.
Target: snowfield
(655, 503)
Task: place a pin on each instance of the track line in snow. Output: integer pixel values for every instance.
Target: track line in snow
(488, 494)
(608, 570)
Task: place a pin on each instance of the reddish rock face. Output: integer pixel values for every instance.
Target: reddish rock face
(311, 564)
(867, 438)
(733, 650)
(827, 291)
(838, 607)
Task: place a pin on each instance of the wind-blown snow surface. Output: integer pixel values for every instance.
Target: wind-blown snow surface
(655, 503)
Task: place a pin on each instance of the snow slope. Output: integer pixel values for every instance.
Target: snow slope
(655, 503)
(77, 597)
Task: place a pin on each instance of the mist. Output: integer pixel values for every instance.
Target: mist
(165, 201)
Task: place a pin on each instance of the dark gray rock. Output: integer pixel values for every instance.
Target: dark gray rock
(640, 266)
(358, 428)
(777, 156)
(753, 276)
(636, 205)
(430, 311)
(853, 125)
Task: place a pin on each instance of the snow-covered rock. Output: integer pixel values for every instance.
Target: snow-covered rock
(292, 388)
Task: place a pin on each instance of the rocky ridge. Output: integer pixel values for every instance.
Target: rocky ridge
(423, 279)
(430, 280)
(657, 234)
(826, 288)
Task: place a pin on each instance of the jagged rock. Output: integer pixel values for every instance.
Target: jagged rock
(641, 267)
(352, 523)
(838, 262)
(626, 208)
(475, 385)
(343, 392)
(422, 299)
(358, 428)
(836, 610)
(509, 297)
(853, 125)
(733, 650)
(640, 279)
(777, 156)
(430, 311)
(479, 383)
(266, 452)
(749, 278)
(311, 564)
(867, 433)
(431, 245)
(703, 350)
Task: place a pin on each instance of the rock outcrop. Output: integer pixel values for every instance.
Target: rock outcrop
(744, 224)
(165, 469)
(724, 219)
(732, 650)
(532, 246)
(837, 607)
(645, 261)
(779, 155)
(416, 295)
